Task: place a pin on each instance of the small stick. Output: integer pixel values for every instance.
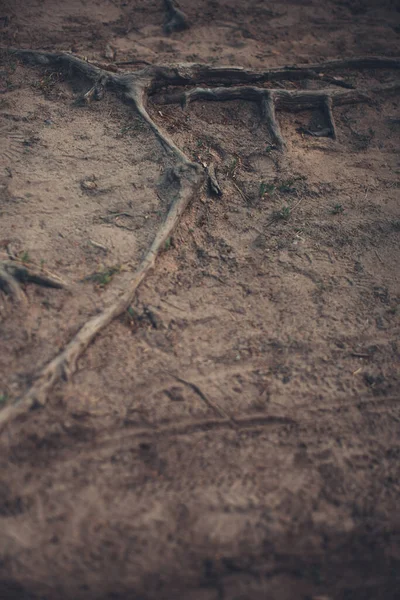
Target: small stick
(97, 245)
(241, 192)
(132, 62)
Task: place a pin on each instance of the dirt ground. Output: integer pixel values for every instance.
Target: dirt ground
(235, 434)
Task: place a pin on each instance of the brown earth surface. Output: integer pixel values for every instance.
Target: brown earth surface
(234, 435)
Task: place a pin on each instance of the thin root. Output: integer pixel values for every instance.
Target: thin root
(209, 403)
(10, 286)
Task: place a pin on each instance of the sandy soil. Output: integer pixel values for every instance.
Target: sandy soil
(235, 435)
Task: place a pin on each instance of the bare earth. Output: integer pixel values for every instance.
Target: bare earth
(234, 435)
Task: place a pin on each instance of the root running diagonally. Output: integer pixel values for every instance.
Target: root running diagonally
(232, 83)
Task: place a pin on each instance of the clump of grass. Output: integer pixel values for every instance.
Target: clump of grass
(337, 209)
(283, 214)
(3, 399)
(266, 188)
(104, 277)
(232, 167)
(286, 186)
(25, 258)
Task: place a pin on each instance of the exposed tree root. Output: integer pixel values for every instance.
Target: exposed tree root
(196, 74)
(176, 19)
(272, 99)
(12, 273)
(269, 116)
(10, 285)
(234, 83)
(213, 184)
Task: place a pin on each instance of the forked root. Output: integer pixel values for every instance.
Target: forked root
(64, 365)
(272, 99)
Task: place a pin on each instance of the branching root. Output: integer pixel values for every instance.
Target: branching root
(230, 83)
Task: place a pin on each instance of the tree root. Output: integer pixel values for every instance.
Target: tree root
(12, 273)
(10, 285)
(176, 19)
(234, 83)
(96, 92)
(272, 99)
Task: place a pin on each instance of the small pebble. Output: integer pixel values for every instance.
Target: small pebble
(88, 185)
